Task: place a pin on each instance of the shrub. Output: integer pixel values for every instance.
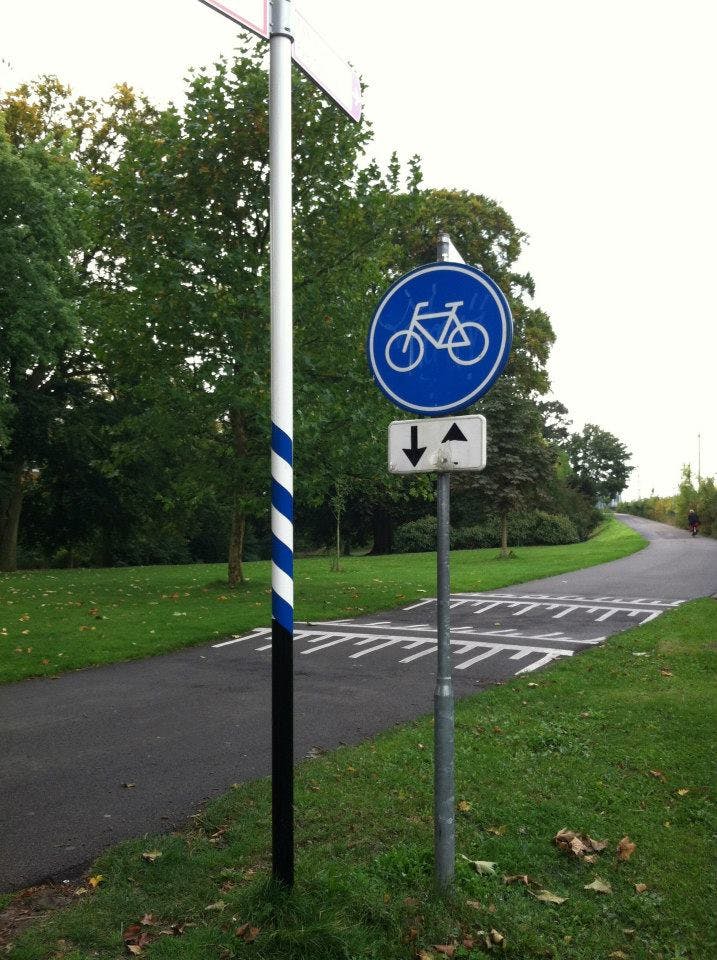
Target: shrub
(524, 529)
(417, 536)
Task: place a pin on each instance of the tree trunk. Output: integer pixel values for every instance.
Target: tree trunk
(504, 536)
(10, 509)
(236, 545)
(382, 531)
(236, 536)
(337, 562)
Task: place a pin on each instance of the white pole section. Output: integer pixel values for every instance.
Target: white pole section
(282, 434)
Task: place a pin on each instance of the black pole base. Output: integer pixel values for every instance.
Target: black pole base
(282, 753)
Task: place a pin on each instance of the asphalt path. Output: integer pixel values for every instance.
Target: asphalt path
(104, 754)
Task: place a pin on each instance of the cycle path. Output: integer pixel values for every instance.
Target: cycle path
(181, 728)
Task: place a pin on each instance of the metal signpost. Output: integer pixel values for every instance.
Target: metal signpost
(334, 78)
(438, 341)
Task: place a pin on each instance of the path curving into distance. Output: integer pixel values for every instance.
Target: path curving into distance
(183, 727)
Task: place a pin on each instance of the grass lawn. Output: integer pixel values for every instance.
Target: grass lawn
(616, 743)
(57, 620)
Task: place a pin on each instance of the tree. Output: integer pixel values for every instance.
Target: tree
(600, 463)
(42, 206)
(519, 462)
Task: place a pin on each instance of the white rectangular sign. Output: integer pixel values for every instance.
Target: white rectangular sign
(252, 14)
(443, 445)
(325, 67)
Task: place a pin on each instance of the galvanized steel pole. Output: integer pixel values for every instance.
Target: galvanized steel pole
(444, 803)
(282, 433)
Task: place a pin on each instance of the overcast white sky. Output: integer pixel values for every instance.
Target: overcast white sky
(593, 123)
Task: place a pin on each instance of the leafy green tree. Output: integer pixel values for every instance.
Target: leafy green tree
(519, 463)
(42, 211)
(600, 463)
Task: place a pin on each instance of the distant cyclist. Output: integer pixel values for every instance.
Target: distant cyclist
(693, 521)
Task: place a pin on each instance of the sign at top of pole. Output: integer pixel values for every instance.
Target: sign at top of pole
(252, 14)
(440, 338)
(310, 51)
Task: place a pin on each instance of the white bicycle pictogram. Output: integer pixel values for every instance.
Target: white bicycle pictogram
(469, 337)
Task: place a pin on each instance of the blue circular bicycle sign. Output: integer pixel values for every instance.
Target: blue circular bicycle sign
(439, 338)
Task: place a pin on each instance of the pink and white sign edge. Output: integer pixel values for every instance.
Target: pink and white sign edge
(315, 56)
(252, 14)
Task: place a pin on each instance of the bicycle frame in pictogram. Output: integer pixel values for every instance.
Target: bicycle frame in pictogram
(466, 342)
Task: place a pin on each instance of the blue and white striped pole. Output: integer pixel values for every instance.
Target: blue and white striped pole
(282, 433)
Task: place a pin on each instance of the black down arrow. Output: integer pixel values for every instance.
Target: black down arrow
(414, 452)
(455, 433)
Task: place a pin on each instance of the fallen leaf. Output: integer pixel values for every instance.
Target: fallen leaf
(134, 949)
(148, 920)
(640, 887)
(481, 866)
(578, 844)
(95, 881)
(497, 938)
(545, 896)
(625, 849)
(666, 673)
(599, 886)
(219, 905)
(447, 949)
(424, 955)
(683, 791)
(129, 786)
(618, 955)
(517, 878)
(464, 806)
(151, 855)
(497, 831)
(658, 775)
(411, 902)
(475, 904)
(248, 933)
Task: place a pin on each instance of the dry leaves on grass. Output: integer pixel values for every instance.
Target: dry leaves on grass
(599, 886)
(247, 932)
(535, 889)
(640, 887)
(481, 866)
(578, 845)
(625, 849)
(151, 855)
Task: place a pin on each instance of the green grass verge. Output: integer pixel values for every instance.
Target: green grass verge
(57, 620)
(618, 742)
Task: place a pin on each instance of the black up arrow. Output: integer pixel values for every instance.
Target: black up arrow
(455, 433)
(414, 452)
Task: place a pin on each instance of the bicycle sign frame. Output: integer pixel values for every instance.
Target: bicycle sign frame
(439, 338)
(446, 341)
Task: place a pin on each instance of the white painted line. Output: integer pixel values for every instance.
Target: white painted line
(249, 636)
(526, 609)
(488, 606)
(490, 652)
(331, 643)
(538, 663)
(607, 614)
(421, 603)
(651, 616)
(559, 616)
(417, 656)
(379, 646)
